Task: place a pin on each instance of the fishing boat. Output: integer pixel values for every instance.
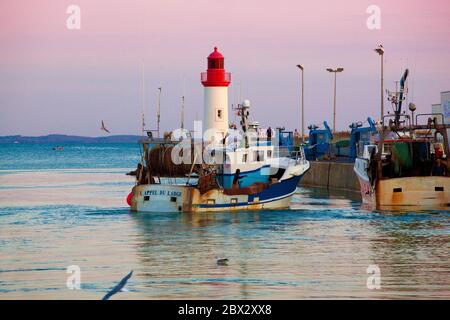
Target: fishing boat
(406, 163)
(224, 170)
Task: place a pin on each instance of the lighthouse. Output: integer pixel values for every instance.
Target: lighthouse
(215, 110)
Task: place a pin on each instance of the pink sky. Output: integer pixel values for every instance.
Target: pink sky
(55, 80)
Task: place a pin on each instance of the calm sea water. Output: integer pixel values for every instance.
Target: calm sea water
(62, 208)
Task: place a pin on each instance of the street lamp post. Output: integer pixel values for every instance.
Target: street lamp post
(380, 51)
(300, 66)
(335, 71)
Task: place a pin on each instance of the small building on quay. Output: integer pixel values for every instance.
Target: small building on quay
(443, 108)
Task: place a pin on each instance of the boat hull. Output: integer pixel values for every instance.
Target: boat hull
(429, 192)
(276, 196)
(425, 192)
(367, 190)
(159, 198)
(182, 198)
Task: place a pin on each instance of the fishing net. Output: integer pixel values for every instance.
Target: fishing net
(402, 157)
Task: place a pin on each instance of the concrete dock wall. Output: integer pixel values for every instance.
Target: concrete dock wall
(332, 175)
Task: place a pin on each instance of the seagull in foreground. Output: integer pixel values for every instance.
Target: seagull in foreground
(103, 127)
(119, 287)
(221, 261)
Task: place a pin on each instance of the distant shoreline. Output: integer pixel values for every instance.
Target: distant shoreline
(61, 138)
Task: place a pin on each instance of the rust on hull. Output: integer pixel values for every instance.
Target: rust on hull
(425, 192)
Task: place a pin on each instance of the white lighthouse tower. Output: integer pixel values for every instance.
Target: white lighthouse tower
(215, 112)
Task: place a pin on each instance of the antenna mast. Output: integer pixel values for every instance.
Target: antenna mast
(158, 112)
(182, 103)
(240, 93)
(143, 100)
(182, 112)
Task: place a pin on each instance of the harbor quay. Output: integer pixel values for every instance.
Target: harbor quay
(331, 175)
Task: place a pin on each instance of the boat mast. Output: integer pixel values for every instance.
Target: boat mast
(143, 100)
(396, 98)
(182, 112)
(243, 110)
(158, 112)
(182, 103)
(401, 97)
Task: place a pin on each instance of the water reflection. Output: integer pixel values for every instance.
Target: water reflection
(320, 248)
(312, 251)
(412, 250)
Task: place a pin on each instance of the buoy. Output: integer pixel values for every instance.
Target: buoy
(129, 197)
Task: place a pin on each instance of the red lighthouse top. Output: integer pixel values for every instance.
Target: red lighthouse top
(215, 76)
(215, 55)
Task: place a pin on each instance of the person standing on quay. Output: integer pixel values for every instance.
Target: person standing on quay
(269, 134)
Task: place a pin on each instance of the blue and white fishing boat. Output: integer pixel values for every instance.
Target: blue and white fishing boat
(225, 170)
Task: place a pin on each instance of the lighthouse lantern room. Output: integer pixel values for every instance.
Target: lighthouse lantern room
(216, 81)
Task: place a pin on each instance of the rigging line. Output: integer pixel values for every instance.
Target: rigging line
(143, 99)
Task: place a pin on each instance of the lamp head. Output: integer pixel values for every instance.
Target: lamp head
(380, 51)
(340, 69)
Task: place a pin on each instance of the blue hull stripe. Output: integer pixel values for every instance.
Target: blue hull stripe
(240, 204)
(275, 192)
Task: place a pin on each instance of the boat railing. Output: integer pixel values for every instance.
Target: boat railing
(299, 155)
(428, 115)
(391, 123)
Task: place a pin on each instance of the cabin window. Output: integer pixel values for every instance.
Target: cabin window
(387, 148)
(397, 190)
(146, 198)
(173, 199)
(260, 156)
(234, 200)
(438, 188)
(360, 148)
(211, 201)
(219, 115)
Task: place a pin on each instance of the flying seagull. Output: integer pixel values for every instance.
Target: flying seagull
(119, 287)
(221, 261)
(103, 127)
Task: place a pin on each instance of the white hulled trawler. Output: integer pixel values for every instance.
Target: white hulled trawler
(227, 169)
